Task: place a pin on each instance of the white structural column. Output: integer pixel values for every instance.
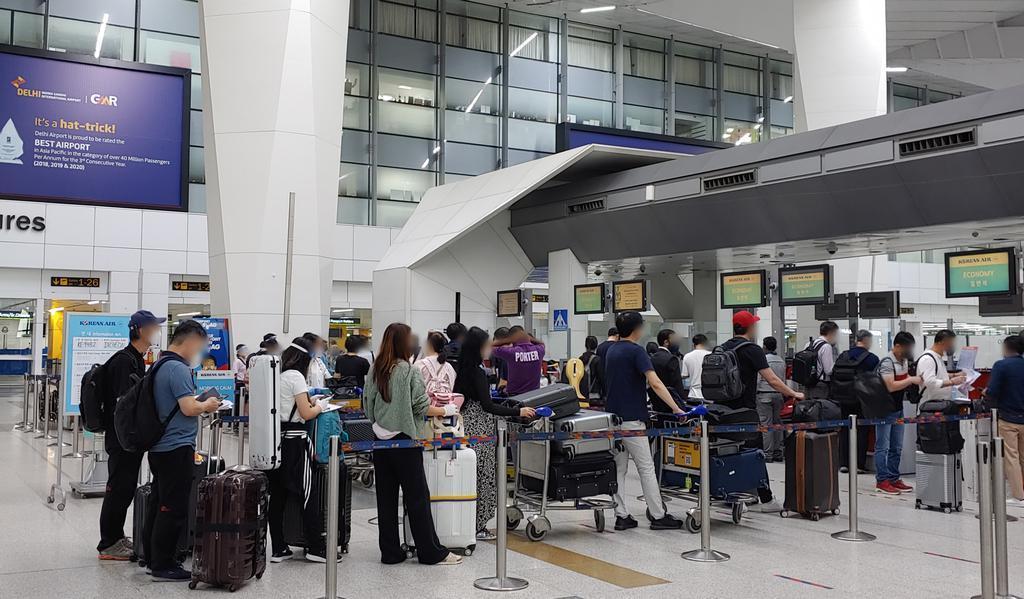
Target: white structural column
(564, 272)
(840, 61)
(273, 84)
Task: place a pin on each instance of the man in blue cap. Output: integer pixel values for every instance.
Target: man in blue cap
(118, 375)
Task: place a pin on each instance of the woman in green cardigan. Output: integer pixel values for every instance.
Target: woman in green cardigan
(396, 402)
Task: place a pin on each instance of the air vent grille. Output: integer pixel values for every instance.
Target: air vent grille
(937, 143)
(588, 206)
(730, 180)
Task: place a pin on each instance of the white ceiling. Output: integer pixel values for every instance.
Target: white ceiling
(913, 21)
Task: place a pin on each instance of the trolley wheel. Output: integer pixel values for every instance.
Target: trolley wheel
(512, 524)
(737, 512)
(947, 510)
(192, 584)
(599, 520)
(784, 514)
(366, 478)
(469, 550)
(815, 517)
(692, 524)
(60, 507)
(959, 508)
(513, 516)
(49, 499)
(533, 533)
(835, 512)
(917, 504)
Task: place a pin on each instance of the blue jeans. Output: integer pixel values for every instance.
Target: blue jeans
(888, 449)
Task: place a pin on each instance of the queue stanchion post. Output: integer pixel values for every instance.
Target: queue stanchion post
(501, 581)
(999, 510)
(241, 424)
(22, 426)
(705, 553)
(76, 438)
(35, 406)
(44, 433)
(988, 590)
(333, 482)
(853, 533)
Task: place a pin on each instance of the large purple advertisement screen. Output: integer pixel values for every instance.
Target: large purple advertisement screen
(92, 132)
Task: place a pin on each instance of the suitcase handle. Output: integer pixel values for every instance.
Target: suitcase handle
(591, 474)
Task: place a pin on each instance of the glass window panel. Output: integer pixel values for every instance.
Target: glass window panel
(404, 119)
(359, 15)
(79, 37)
(197, 198)
(473, 9)
(547, 29)
(590, 112)
(740, 133)
(484, 98)
(741, 60)
(645, 63)
(354, 180)
(519, 156)
(528, 43)
(781, 131)
(406, 21)
(742, 80)
(406, 87)
(36, 6)
(357, 113)
(600, 34)
(197, 91)
(694, 51)
(782, 86)
(400, 151)
(28, 30)
(532, 106)
(937, 96)
(353, 211)
(591, 54)
(5, 26)
(195, 129)
(471, 160)
(170, 50)
(357, 79)
(528, 135)
(473, 128)
(642, 118)
(403, 184)
(470, 33)
(119, 12)
(697, 126)
(692, 71)
(355, 146)
(196, 165)
(901, 103)
(394, 214)
(171, 16)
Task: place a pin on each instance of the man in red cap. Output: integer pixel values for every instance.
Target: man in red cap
(752, 362)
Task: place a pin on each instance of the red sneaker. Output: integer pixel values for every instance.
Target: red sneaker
(902, 486)
(887, 487)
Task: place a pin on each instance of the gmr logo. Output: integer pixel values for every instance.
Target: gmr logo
(103, 100)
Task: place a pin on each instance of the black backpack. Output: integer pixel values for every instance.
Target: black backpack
(941, 437)
(913, 392)
(91, 398)
(844, 377)
(805, 365)
(136, 418)
(720, 374)
(875, 399)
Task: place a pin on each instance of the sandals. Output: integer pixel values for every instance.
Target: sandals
(450, 560)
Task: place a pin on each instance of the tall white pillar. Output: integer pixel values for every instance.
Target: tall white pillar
(565, 271)
(273, 92)
(840, 61)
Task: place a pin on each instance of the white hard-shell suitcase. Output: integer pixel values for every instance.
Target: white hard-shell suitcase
(451, 477)
(264, 422)
(939, 481)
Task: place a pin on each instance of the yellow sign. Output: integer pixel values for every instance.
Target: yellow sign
(629, 296)
(55, 348)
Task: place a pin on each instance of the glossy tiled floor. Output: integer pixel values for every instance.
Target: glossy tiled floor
(918, 554)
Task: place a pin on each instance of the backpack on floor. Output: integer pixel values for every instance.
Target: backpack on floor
(720, 374)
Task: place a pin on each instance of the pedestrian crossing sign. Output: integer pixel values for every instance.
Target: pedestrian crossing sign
(561, 320)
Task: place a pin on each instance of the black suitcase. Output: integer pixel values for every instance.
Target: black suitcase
(294, 533)
(203, 466)
(812, 474)
(719, 415)
(140, 542)
(941, 437)
(561, 398)
(588, 475)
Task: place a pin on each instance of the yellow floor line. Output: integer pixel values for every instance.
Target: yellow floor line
(582, 564)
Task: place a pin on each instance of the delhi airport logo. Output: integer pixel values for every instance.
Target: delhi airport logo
(11, 146)
(18, 81)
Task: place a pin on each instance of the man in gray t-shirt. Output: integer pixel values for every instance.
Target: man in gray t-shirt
(769, 402)
(894, 369)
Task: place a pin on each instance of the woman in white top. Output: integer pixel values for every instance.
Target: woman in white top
(438, 374)
(295, 407)
(317, 374)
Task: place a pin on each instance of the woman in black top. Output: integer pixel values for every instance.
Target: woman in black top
(349, 365)
(478, 412)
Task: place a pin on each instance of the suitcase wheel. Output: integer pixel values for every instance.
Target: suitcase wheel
(599, 520)
(737, 512)
(192, 584)
(947, 510)
(692, 524)
(784, 514)
(468, 551)
(232, 588)
(815, 516)
(259, 576)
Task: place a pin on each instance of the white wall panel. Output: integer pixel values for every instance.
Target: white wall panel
(67, 257)
(197, 233)
(70, 225)
(21, 255)
(163, 260)
(371, 243)
(118, 227)
(105, 258)
(164, 230)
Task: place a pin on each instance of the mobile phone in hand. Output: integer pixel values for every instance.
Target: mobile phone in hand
(211, 392)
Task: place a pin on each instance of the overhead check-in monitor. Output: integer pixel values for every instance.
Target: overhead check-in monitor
(510, 303)
(842, 306)
(879, 304)
(747, 289)
(589, 298)
(805, 285)
(980, 273)
(629, 296)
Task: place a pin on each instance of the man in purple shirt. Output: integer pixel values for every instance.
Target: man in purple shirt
(523, 356)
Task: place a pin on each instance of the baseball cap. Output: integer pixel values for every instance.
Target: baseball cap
(144, 318)
(744, 318)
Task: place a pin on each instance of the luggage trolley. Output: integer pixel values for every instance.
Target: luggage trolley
(537, 502)
(734, 473)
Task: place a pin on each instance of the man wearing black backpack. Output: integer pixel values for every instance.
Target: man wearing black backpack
(119, 373)
(847, 366)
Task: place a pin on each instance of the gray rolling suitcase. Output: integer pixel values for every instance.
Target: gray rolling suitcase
(939, 481)
(584, 421)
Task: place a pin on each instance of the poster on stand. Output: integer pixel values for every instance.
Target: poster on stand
(89, 338)
(215, 369)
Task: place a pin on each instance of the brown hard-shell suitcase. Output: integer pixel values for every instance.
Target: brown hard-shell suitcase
(231, 528)
(812, 477)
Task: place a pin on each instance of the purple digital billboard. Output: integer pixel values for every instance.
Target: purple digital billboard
(100, 132)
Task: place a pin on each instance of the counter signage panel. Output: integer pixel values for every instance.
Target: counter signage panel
(589, 298)
(84, 131)
(510, 303)
(805, 285)
(629, 296)
(744, 289)
(978, 273)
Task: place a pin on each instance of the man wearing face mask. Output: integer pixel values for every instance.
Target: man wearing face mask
(118, 375)
(668, 368)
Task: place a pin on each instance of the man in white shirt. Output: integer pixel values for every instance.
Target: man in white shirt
(936, 382)
(693, 363)
(828, 335)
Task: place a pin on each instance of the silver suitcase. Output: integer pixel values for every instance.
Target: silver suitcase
(264, 421)
(584, 421)
(939, 481)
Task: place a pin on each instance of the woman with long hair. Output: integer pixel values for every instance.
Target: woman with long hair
(438, 374)
(395, 403)
(478, 413)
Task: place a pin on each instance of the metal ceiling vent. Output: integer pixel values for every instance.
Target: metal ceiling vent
(937, 143)
(730, 180)
(588, 206)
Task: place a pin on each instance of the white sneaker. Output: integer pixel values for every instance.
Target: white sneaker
(1011, 502)
(772, 507)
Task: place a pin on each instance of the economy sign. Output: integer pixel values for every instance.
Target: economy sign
(743, 289)
(588, 298)
(805, 285)
(984, 272)
(84, 131)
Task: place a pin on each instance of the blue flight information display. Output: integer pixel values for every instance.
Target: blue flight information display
(85, 131)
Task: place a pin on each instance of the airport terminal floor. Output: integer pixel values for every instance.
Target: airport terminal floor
(918, 553)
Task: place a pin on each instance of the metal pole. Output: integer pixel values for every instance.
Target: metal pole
(333, 482)
(705, 553)
(76, 442)
(242, 399)
(24, 425)
(999, 507)
(501, 581)
(45, 434)
(853, 533)
(290, 251)
(985, 511)
(35, 404)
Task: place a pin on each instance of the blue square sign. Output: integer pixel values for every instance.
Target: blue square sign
(560, 322)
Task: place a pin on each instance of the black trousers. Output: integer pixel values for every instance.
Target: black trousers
(168, 513)
(282, 490)
(122, 478)
(396, 469)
